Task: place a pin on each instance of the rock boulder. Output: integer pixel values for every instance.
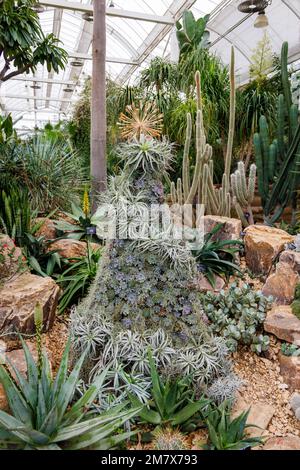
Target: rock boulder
(11, 258)
(283, 443)
(47, 228)
(230, 231)
(290, 370)
(282, 323)
(19, 297)
(281, 284)
(262, 245)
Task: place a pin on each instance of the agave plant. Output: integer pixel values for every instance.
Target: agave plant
(43, 414)
(172, 402)
(229, 434)
(143, 120)
(216, 256)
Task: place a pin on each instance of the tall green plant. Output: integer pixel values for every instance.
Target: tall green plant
(278, 160)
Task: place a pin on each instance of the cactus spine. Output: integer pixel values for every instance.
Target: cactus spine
(277, 161)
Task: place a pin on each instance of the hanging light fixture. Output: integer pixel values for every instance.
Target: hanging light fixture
(38, 8)
(77, 63)
(256, 6)
(111, 4)
(35, 86)
(68, 89)
(261, 20)
(87, 16)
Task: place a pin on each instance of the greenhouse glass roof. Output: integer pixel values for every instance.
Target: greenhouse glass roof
(137, 31)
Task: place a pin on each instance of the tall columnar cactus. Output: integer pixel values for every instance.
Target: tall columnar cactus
(278, 160)
(201, 183)
(243, 192)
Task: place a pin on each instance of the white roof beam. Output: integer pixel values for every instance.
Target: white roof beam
(114, 60)
(158, 33)
(83, 46)
(43, 80)
(110, 11)
(35, 98)
(57, 18)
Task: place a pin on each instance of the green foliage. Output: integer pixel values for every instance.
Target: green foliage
(288, 349)
(78, 230)
(238, 315)
(277, 161)
(171, 402)
(15, 213)
(169, 439)
(216, 256)
(49, 169)
(41, 260)
(191, 34)
(43, 414)
(296, 303)
(226, 433)
(76, 280)
(22, 42)
(6, 129)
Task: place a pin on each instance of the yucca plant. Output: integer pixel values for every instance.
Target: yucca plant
(226, 433)
(216, 256)
(44, 414)
(172, 402)
(50, 170)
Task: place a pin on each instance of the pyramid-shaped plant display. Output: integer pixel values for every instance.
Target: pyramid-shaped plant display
(144, 295)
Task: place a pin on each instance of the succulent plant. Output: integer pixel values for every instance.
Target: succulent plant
(169, 439)
(237, 315)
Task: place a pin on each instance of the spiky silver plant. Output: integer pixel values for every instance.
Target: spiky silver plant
(146, 155)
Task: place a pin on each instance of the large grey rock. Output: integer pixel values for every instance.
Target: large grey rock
(19, 297)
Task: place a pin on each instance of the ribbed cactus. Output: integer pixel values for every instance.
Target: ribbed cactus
(243, 192)
(201, 183)
(278, 161)
(169, 439)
